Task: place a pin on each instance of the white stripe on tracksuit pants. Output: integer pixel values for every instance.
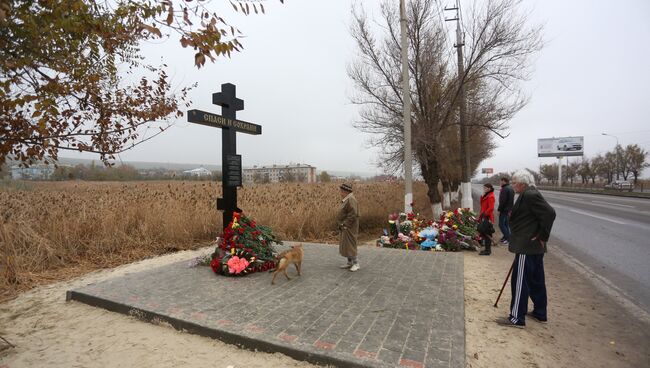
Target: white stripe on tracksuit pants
(527, 281)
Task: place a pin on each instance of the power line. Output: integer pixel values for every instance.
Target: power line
(448, 42)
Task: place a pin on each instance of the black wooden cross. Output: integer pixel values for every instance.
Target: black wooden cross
(230, 160)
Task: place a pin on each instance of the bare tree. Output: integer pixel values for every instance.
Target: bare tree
(598, 166)
(585, 170)
(549, 172)
(635, 158)
(324, 177)
(610, 165)
(499, 44)
(301, 177)
(572, 170)
(621, 163)
(605, 166)
(287, 176)
(257, 177)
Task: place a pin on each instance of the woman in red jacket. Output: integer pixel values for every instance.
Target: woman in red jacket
(487, 212)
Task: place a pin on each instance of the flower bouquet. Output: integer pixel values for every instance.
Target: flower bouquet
(244, 248)
(448, 239)
(400, 242)
(467, 223)
(458, 230)
(404, 231)
(454, 230)
(239, 262)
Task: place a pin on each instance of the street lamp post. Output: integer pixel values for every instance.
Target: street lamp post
(617, 153)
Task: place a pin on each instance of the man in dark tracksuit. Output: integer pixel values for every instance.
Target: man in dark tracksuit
(530, 222)
(506, 201)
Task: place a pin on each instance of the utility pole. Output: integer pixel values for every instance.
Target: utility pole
(559, 171)
(465, 185)
(406, 99)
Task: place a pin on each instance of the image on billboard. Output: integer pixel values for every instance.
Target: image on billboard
(562, 146)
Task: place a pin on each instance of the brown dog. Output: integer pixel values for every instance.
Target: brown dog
(293, 255)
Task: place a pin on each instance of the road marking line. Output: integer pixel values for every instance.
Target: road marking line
(592, 195)
(598, 217)
(635, 210)
(613, 204)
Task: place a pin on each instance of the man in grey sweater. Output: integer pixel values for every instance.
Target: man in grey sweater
(530, 224)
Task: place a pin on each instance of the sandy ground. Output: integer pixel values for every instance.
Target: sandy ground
(49, 332)
(587, 328)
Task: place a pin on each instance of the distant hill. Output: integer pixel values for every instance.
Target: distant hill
(140, 165)
(172, 166)
(349, 173)
(188, 166)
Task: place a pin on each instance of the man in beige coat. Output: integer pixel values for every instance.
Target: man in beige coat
(348, 224)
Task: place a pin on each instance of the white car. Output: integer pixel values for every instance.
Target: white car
(568, 145)
(620, 185)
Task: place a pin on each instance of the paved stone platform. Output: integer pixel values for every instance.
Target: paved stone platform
(403, 308)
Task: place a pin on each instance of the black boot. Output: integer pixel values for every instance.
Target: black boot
(488, 248)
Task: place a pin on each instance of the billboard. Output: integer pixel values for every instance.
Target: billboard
(487, 170)
(563, 146)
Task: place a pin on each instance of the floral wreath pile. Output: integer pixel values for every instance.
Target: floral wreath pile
(454, 230)
(244, 248)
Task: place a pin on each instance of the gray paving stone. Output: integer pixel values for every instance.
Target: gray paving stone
(402, 309)
(414, 355)
(389, 356)
(346, 347)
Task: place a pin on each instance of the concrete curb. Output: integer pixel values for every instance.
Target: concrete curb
(227, 337)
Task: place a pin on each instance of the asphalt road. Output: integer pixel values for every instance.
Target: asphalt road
(609, 235)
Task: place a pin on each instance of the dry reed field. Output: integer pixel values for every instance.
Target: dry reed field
(56, 230)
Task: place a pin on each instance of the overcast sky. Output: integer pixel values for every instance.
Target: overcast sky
(593, 76)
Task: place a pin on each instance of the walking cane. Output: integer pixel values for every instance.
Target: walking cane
(504, 285)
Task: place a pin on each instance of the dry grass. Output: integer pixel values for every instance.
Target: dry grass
(53, 231)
